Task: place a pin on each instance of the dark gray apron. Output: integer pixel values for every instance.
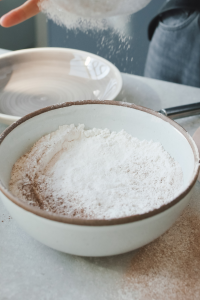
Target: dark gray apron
(174, 52)
(170, 5)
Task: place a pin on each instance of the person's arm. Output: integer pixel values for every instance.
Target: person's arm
(27, 10)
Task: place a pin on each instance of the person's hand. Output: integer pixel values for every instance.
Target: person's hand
(27, 10)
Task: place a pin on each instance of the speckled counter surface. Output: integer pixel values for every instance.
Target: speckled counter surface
(30, 270)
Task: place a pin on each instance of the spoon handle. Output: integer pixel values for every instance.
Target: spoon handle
(182, 111)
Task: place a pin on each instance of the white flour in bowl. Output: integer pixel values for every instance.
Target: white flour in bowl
(96, 174)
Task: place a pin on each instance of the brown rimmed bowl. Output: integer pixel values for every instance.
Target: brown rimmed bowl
(97, 237)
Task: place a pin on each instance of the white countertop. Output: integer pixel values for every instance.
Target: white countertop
(30, 270)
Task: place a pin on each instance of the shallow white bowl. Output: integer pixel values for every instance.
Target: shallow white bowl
(97, 237)
(31, 79)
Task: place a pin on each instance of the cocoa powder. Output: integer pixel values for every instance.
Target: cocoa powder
(169, 268)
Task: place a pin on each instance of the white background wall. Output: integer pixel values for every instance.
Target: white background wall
(41, 31)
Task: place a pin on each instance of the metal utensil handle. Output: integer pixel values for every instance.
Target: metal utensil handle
(182, 111)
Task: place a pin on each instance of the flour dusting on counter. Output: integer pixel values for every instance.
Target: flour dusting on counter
(96, 174)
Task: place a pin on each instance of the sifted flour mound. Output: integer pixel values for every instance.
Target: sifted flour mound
(96, 174)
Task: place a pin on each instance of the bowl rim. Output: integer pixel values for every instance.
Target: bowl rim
(103, 222)
(9, 119)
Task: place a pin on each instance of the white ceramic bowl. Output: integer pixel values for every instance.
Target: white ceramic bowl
(97, 237)
(31, 79)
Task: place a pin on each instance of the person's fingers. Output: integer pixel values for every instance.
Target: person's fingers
(27, 10)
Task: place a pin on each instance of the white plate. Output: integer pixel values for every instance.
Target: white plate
(35, 78)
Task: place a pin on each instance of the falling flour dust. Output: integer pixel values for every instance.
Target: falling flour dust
(87, 14)
(96, 174)
(106, 23)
